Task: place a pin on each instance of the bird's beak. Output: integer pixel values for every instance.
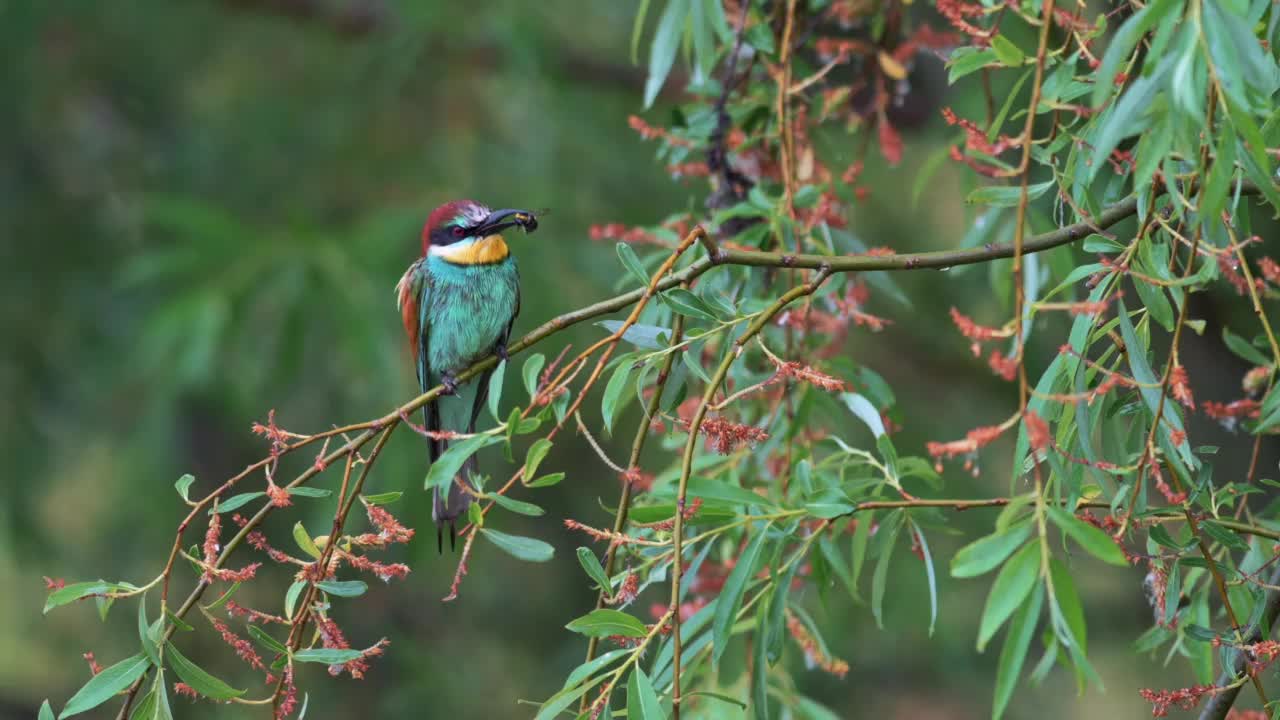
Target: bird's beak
(500, 220)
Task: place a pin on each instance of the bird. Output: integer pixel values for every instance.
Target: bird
(458, 303)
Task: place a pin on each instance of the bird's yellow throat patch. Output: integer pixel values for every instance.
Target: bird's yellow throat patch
(486, 250)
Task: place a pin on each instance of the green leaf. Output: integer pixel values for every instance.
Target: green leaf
(647, 337)
(445, 469)
(517, 506)
(967, 60)
(632, 263)
(199, 680)
(385, 498)
(496, 380)
(829, 503)
(1227, 537)
(533, 458)
(866, 412)
(730, 598)
(343, 588)
(1122, 45)
(712, 490)
(662, 53)
(235, 501)
(144, 632)
(522, 548)
(594, 569)
(547, 480)
(1008, 53)
(587, 669)
(103, 686)
(183, 486)
(267, 641)
(327, 656)
(1012, 585)
(1124, 118)
(605, 622)
(984, 554)
(642, 701)
(530, 371)
(46, 712)
(615, 396)
(304, 541)
(929, 575)
(77, 591)
(1243, 348)
(1014, 652)
(559, 702)
(291, 597)
(688, 304)
(886, 541)
(304, 491)
(1096, 542)
(1006, 195)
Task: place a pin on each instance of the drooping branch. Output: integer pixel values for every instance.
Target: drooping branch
(1221, 703)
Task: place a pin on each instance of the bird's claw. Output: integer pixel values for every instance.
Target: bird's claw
(450, 384)
(501, 351)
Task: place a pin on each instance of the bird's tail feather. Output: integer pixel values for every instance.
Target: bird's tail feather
(456, 413)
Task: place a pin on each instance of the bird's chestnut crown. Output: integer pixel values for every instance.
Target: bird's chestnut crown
(462, 220)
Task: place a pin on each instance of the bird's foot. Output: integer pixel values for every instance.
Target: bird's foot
(450, 384)
(501, 351)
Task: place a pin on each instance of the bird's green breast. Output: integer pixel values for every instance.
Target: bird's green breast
(471, 307)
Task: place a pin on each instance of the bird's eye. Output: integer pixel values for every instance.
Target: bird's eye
(458, 231)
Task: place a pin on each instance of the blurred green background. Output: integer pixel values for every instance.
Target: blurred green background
(204, 207)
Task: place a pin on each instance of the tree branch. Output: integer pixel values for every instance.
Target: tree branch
(1220, 704)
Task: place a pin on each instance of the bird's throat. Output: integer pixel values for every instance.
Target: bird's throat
(484, 251)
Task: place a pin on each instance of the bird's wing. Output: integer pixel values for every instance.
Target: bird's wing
(413, 297)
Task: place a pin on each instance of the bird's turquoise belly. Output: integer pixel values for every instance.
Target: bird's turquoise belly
(471, 309)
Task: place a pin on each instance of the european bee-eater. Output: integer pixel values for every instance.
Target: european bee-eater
(458, 303)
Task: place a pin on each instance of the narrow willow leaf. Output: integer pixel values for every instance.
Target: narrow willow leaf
(310, 492)
(605, 622)
(534, 457)
(495, 389)
(546, 480)
(266, 640)
(632, 263)
(183, 486)
(688, 304)
(594, 569)
(523, 548)
(236, 501)
(327, 656)
(1014, 653)
(304, 541)
(291, 597)
(731, 594)
(887, 539)
(517, 506)
(559, 702)
(444, 469)
(103, 686)
(1095, 541)
(343, 588)
(662, 53)
(866, 412)
(76, 591)
(642, 700)
(984, 554)
(530, 371)
(385, 498)
(647, 337)
(1006, 195)
(195, 676)
(587, 669)
(1122, 44)
(614, 396)
(929, 575)
(1012, 585)
(46, 712)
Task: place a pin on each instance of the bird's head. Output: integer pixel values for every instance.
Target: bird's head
(461, 224)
